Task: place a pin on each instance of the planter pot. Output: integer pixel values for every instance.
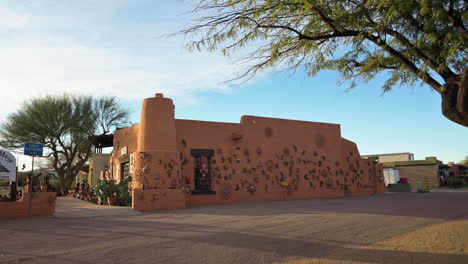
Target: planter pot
(112, 201)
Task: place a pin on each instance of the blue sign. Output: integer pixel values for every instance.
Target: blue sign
(33, 149)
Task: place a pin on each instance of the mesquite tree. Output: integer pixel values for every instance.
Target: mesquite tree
(65, 125)
(415, 41)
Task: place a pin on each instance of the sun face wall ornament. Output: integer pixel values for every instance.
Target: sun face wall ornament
(227, 190)
(251, 188)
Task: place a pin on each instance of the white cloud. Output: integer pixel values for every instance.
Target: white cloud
(11, 19)
(38, 60)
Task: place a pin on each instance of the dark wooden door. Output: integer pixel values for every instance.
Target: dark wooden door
(202, 174)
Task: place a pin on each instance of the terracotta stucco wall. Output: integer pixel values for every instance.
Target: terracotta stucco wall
(126, 137)
(147, 200)
(257, 159)
(311, 157)
(43, 203)
(418, 173)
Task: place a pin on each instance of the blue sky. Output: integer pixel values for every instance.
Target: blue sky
(115, 47)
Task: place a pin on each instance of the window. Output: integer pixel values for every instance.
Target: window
(125, 170)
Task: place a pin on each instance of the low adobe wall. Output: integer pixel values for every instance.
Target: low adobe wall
(43, 203)
(233, 197)
(158, 199)
(276, 195)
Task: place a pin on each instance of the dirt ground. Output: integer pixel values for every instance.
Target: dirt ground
(391, 228)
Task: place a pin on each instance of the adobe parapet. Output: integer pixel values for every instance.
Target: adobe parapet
(157, 130)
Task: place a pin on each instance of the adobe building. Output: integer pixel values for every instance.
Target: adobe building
(177, 163)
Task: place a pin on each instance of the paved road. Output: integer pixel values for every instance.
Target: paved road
(392, 228)
(68, 207)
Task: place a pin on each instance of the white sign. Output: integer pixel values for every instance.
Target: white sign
(7, 166)
(124, 151)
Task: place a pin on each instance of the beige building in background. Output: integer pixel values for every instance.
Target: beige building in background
(99, 162)
(390, 157)
(417, 173)
(413, 170)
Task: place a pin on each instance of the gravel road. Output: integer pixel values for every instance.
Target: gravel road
(390, 228)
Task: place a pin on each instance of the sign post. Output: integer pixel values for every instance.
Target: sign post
(32, 149)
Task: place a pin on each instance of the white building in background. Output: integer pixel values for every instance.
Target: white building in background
(391, 176)
(390, 157)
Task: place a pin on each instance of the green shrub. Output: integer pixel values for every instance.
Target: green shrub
(458, 183)
(108, 188)
(104, 190)
(455, 182)
(123, 192)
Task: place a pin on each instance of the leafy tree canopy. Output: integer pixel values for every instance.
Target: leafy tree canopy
(415, 41)
(65, 125)
(465, 161)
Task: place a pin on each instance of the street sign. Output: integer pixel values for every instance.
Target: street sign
(33, 149)
(7, 166)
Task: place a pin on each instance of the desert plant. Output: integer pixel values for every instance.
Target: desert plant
(109, 189)
(455, 182)
(66, 125)
(104, 190)
(123, 192)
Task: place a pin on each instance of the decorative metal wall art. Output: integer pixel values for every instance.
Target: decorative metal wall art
(227, 190)
(251, 188)
(258, 150)
(268, 131)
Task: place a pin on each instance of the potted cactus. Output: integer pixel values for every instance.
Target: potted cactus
(110, 193)
(112, 200)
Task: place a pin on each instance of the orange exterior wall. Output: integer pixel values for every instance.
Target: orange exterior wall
(147, 200)
(43, 203)
(258, 159)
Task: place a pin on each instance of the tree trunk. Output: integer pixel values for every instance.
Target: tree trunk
(62, 185)
(70, 179)
(455, 99)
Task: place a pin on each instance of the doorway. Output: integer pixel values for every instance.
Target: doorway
(202, 171)
(202, 174)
